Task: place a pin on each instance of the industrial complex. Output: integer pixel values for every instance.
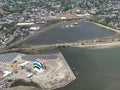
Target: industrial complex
(49, 71)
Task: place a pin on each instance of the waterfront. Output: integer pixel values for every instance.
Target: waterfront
(48, 71)
(99, 69)
(96, 69)
(65, 33)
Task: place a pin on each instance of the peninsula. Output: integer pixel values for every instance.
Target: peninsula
(53, 73)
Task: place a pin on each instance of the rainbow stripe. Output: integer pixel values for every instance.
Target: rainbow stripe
(39, 63)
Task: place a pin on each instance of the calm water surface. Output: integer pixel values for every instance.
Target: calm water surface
(98, 69)
(81, 31)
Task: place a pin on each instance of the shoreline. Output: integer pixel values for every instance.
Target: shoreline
(89, 44)
(57, 73)
(100, 46)
(103, 26)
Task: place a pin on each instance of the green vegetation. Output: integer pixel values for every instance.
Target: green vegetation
(14, 39)
(21, 82)
(66, 5)
(16, 9)
(103, 21)
(1, 16)
(22, 27)
(0, 43)
(7, 28)
(51, 22)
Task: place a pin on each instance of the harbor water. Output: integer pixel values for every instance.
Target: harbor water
(71, 33)
(95, 69)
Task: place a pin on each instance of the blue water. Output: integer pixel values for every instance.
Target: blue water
(82, 31)
(98, 69)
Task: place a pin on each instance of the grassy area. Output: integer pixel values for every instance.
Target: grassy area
(7, 28)
(52, 22)
(0, 43)
(100, 21)
(17, 9)
(21, 82)
(14, 39)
